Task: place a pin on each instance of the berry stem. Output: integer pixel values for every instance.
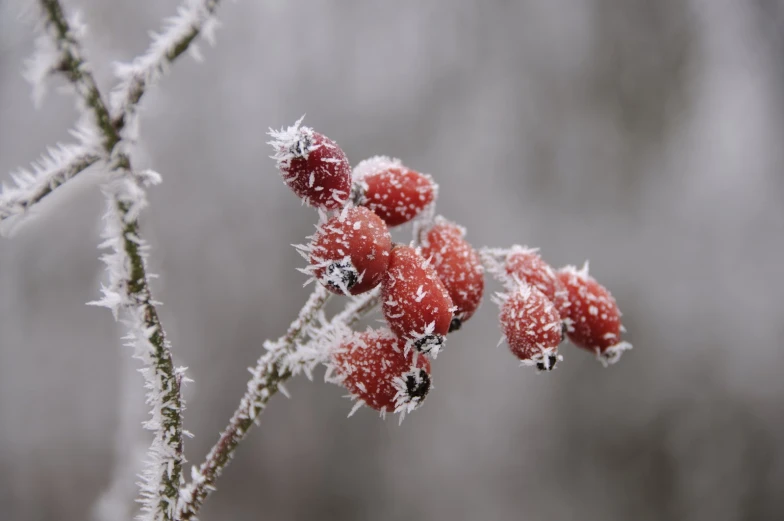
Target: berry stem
(272, 369)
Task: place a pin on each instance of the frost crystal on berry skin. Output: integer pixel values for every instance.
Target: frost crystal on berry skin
(394, 192)
(531, 326)
(415, 303)
(593, 317)
(378, 371)
(313, 166)
(349, 253)
(457, 264)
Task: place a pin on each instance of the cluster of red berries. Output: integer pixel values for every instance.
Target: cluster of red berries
(542, 307)
(429, 290)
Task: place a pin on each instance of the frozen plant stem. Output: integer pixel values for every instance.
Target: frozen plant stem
(129, 291)
(33, 187)
(271, 370)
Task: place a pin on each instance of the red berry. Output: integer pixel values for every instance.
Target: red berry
(526, 265)
(531, 326)
(415, 303)
(593, 317)
(458, 266)
(395, 193)
(313, 166)
(375, 367)
(349, 253)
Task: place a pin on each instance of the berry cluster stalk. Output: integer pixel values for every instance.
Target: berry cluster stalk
(281, 361)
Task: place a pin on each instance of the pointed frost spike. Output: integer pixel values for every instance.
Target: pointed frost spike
(357, 406)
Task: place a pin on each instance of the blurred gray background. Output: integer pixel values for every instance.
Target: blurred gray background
(644, 135)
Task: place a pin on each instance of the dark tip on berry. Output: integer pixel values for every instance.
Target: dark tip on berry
(455, 324)
(301, 146)
(549, 366)
(418, 384)
(341, 272)
(427, 343)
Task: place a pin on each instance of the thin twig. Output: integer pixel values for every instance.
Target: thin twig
(267, 376)
(52, 171)
(194, 17)
(129, 290)
(270, 372)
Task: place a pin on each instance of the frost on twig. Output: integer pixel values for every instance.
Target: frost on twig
(128, 296)
(53, 169)
(193, 17)
(267, 376)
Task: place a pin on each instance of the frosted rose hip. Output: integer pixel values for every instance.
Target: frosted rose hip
(526, 265)
(394, 192)
(349, 253)
(313, 166)
(458, 266)
(594, 320)
(415, 303)
(531, 326)
(375, 367)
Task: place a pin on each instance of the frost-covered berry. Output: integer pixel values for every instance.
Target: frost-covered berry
(349, 253)
(526, 265)
(313, 166)
(375, 367)
(531, 326)
(394, 192)
(593, 318)
(415, 303)
(458, 266)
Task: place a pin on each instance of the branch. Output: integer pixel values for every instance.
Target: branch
(128, 291)
(128, 296)
(74, 66)
(268, 375)
(271, 371)
(193, 17)
(49, 172)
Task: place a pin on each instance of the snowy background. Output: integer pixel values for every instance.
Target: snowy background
(645, 136)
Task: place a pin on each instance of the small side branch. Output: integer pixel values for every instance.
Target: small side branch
(193, 17)
(51, 171)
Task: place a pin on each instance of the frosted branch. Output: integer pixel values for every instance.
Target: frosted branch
(65, 34)
(193, 17)
(273, 368)
(52, 170)
(270, 372)
(128, 294)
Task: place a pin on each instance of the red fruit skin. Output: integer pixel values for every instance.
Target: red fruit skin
(527, 265)
(415, 302)
(531, 326)
(368, 365)
(358, 236)
(594, 320)
(394, 192)
(314, 167)
(458, 267)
